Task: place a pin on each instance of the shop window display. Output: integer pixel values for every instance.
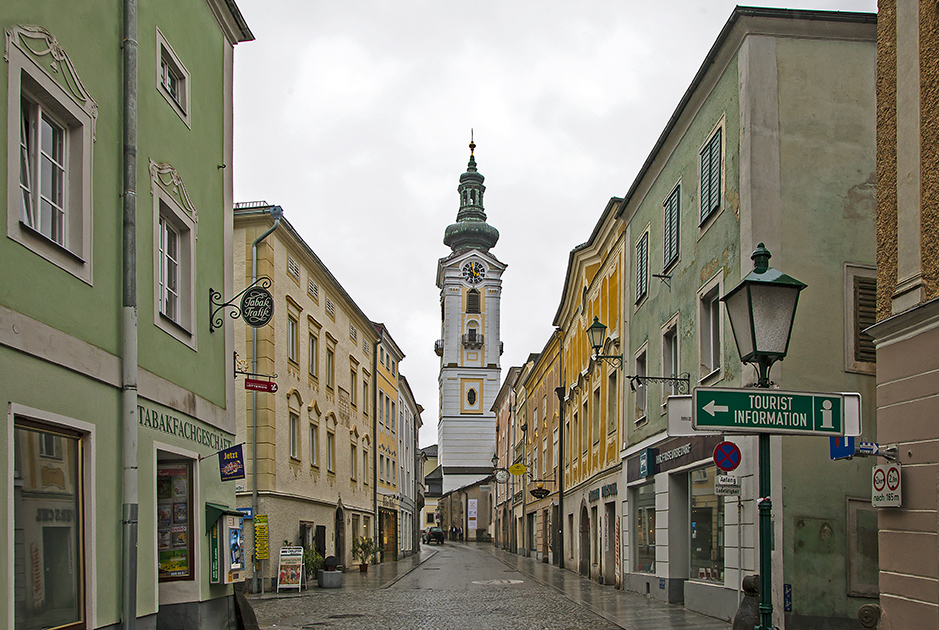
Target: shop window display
(644, 514)
(48, 525)
(707, 527)
(174, 520)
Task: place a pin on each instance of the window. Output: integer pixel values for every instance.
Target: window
(611, 397)
(48, 525)
(472, 301)
(314, 356)
(642, 267)
(640, 386)
(644, 534)
(353, 334)
(672, 211)
(365, 397)
(174, 238)
(293, 350)
(544, 457)
(330, 451)
(381, 467)
(596, 415)
(50, 135)
(293, 268)
(670, 359)
(314, 444)
(173, 79)
(707, 527)
(364, 466)
(330, 368)
(353, 460)
(860, 291)
(554, 452)
(381, 409)
(584, 438)
(294, 436)
(711, 176)
(576, 435)
(392, 418)
(710, 331)
(174, 518)
(353, 385)
(330, 308)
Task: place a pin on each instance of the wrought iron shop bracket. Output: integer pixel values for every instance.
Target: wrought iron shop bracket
(681, 383)
(243, 364)
(217, 320)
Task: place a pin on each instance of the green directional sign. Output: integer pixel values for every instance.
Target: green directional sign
(767, 411)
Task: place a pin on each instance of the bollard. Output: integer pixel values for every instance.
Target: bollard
(748, 613)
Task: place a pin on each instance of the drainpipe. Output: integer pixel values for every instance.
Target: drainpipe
(560, 463)
(276, 213)
(129, 326)
(375, 350)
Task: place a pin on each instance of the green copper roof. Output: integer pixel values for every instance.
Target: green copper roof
(471, 230)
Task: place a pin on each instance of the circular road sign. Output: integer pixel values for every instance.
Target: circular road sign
(880, 479)
(727, 456)
(893, 478)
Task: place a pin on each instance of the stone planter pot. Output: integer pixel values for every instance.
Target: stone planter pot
(329, 579)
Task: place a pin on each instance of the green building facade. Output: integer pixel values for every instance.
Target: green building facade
(773, 142)
(85, 360)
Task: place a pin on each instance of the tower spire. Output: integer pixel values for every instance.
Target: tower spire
(471, 230)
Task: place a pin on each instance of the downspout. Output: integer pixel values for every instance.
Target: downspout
(560, 392)
(276, 213)
(381, 339)
(130, 506)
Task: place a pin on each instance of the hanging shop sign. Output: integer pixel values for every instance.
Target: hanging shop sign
(256, 307)
(231, 463)
(260, 386)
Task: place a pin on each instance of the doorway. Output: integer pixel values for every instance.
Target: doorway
(340, 537)
(584, 541)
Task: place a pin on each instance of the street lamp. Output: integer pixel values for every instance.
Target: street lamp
(761, 310)
(596, 336)
(495, 460)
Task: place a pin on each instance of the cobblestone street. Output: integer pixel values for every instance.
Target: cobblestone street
(467, 586)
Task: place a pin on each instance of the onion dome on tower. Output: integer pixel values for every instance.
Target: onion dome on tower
(471, 230)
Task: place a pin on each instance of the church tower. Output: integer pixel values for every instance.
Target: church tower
(470, 283)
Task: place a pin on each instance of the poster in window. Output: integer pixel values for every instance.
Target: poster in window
(180, 512)
(165, 538)
(164, 515)
(174, 563)
(164, 488)
(180, 536)
(180, 486)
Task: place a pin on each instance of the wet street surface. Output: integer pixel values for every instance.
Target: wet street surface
(464, 586)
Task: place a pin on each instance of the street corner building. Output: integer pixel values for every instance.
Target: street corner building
(118, 200)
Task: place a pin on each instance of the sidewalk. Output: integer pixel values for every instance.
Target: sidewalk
(630, 611)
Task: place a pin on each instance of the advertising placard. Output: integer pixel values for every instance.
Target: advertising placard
(261, 550)
(231, 463)
(290, 569)
(471, 508)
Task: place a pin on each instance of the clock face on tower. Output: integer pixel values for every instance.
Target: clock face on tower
(474, 272)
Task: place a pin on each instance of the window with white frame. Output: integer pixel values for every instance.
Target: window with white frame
(330, 451)
(642, 266)
(641, 386)
(709, 329)
(596, 415)
(381, 467)
(711, 154)
(555, 452)
(175, 221)
(353, 384)
(670, 358)
(50, 136)
(365, 466)
(670, 225)
(173, 80)
(294, 436)
(544, 457)
(293, 343)
(314, 444)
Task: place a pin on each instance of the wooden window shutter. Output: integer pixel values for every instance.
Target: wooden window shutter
(865, 315)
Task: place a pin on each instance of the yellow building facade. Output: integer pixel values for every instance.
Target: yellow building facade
(388, 356)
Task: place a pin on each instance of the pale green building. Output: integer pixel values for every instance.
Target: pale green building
(773, 142)
(116, 394)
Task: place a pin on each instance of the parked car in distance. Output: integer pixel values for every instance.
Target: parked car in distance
(435, 534)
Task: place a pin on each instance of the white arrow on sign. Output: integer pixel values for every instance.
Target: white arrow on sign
(713, 408)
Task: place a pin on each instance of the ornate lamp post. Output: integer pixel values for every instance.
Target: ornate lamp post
(761, 310)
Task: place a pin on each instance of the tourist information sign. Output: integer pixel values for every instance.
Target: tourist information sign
(768, 411)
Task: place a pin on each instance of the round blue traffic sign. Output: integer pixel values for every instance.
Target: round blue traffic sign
(727, 456)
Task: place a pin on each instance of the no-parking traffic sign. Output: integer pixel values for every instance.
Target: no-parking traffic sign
(726, 456)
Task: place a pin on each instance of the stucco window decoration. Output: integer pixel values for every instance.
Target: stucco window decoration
(50, 133)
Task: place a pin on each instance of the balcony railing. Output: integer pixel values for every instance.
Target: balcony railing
(438, 347)
(472, 340)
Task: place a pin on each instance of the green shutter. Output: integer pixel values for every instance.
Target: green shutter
(715, 196)
(705, 182)
(670, 231)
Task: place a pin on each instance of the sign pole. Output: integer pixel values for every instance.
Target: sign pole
(766, 510)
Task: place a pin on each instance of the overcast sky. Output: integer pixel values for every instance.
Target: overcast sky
(355, 117)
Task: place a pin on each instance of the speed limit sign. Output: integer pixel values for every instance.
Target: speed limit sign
(885, 486)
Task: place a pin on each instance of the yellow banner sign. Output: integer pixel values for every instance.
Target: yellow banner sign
(261, 548)
(518, 469)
